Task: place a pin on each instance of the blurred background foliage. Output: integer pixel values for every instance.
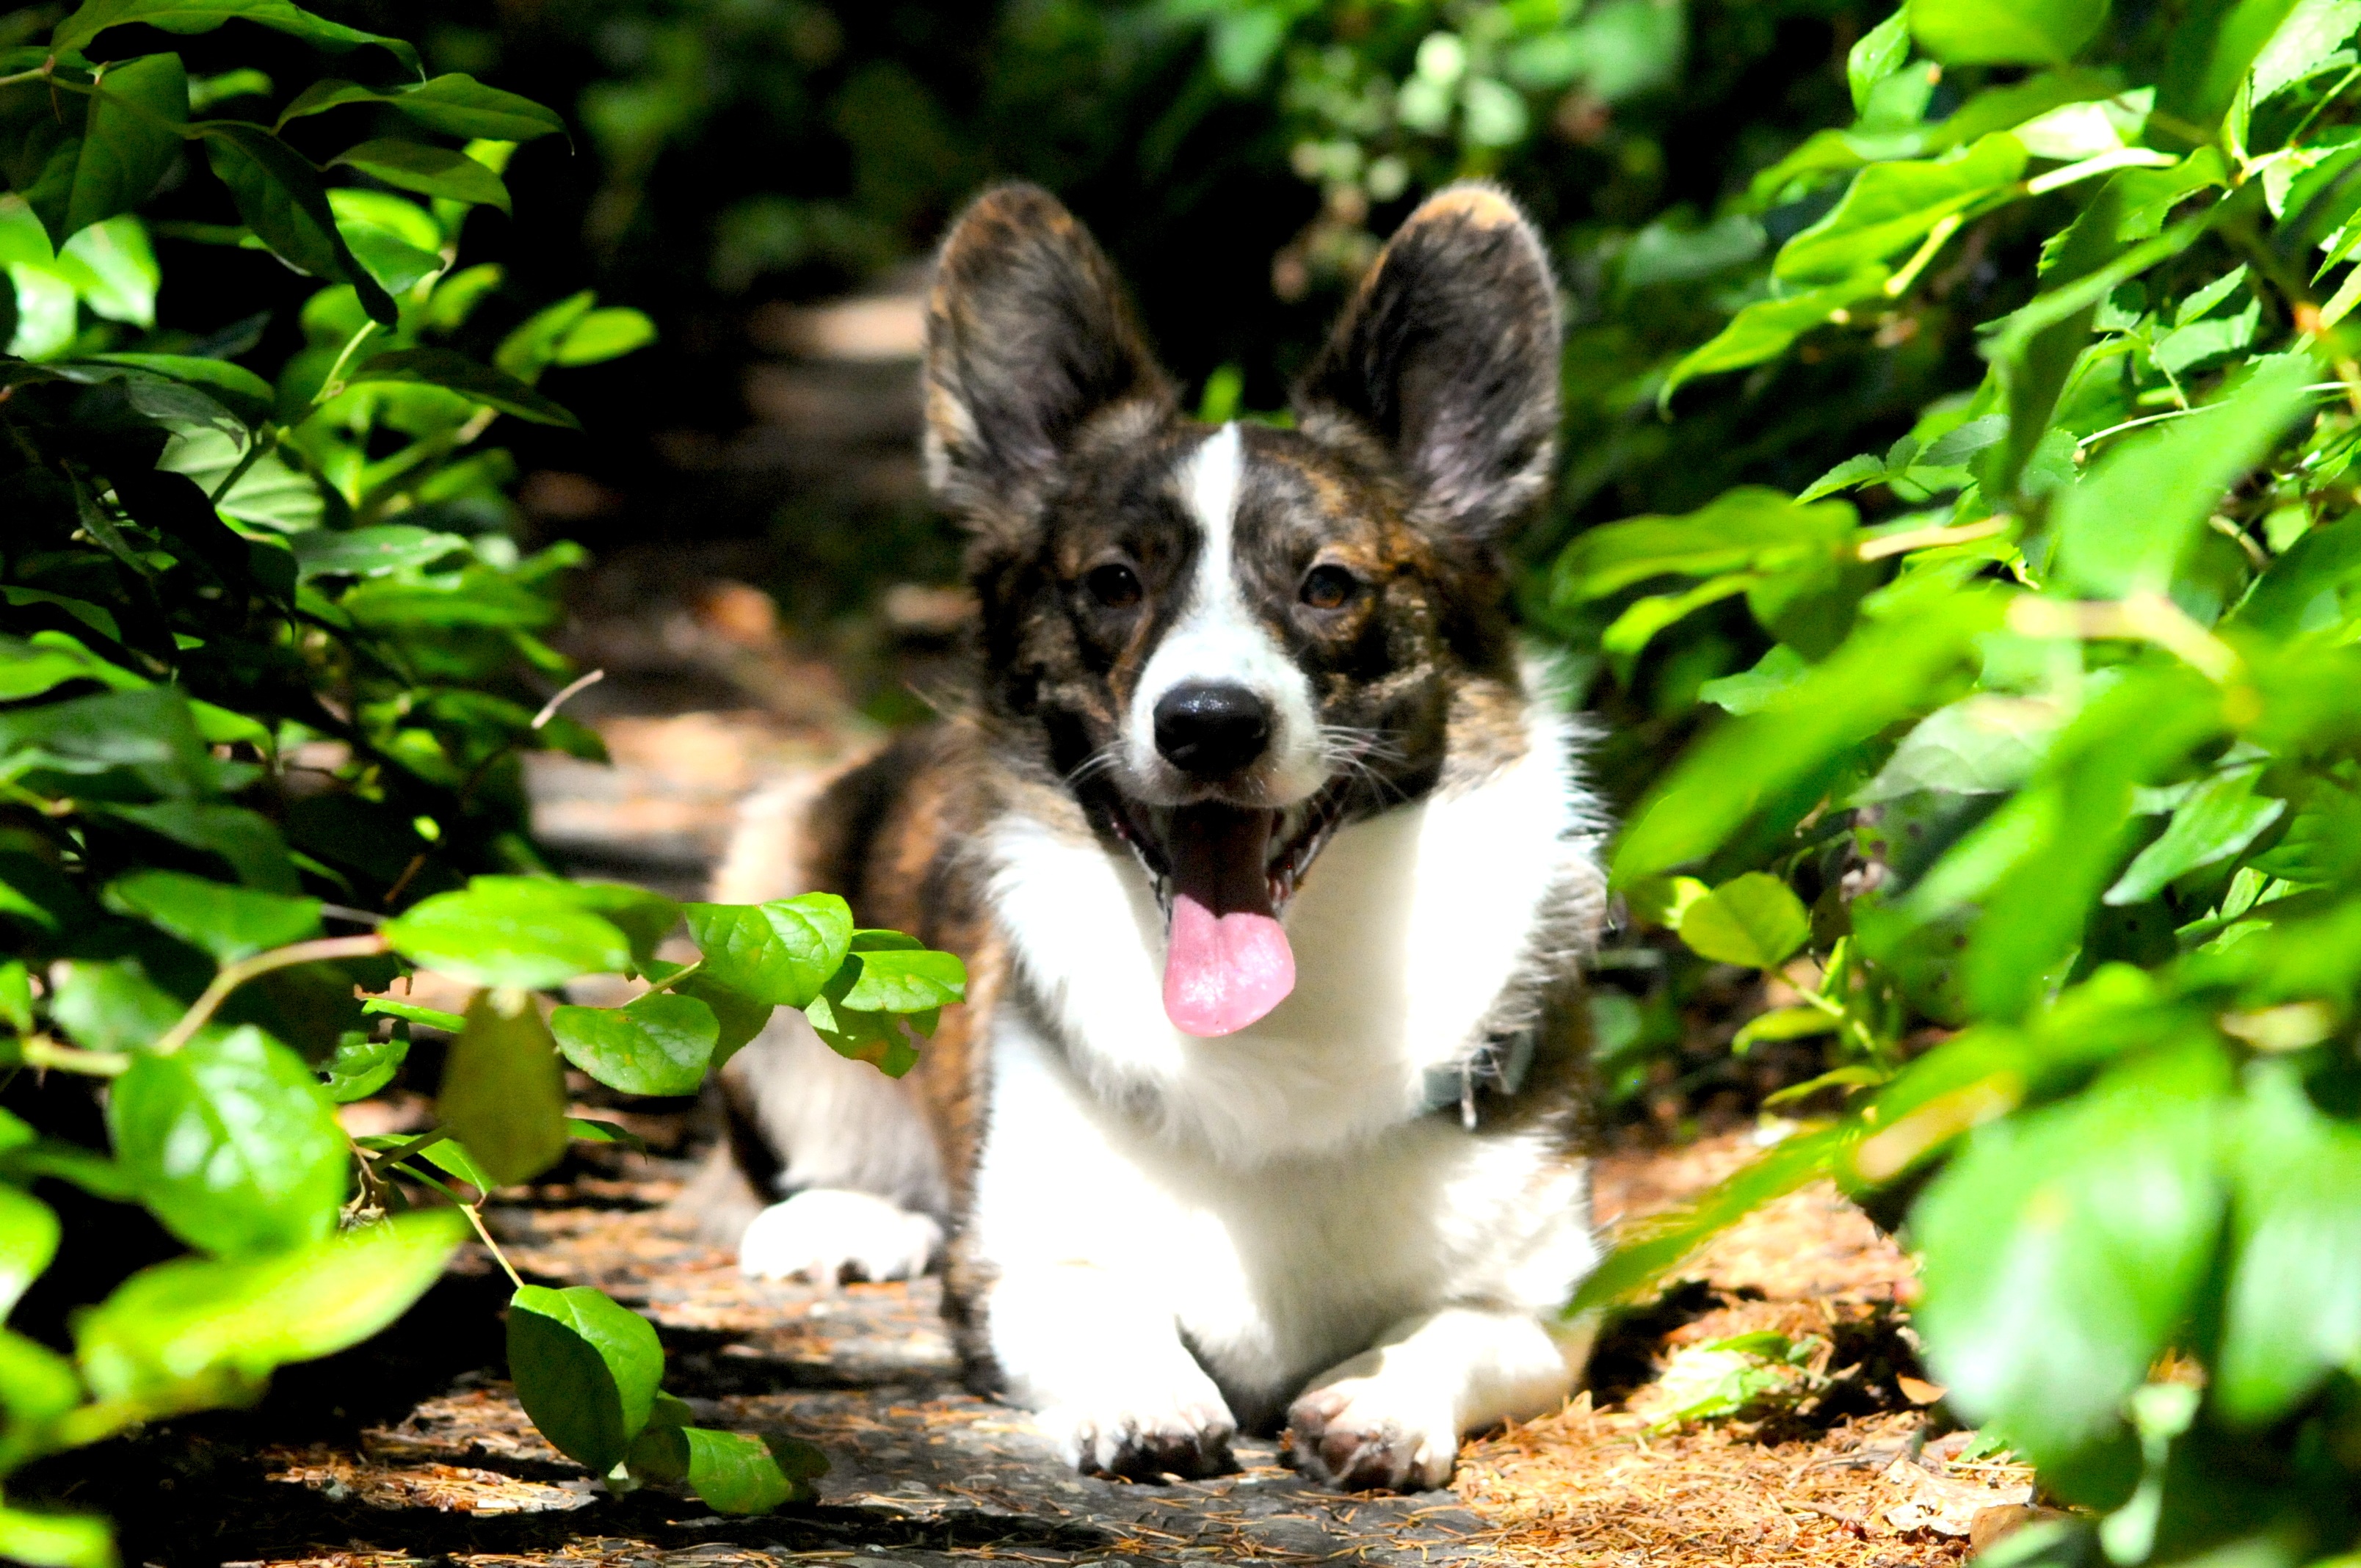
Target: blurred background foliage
(1241, 159)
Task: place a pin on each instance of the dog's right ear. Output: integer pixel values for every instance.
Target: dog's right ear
(1029, 339)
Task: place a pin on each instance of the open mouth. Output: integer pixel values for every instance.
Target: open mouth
(1224, 873)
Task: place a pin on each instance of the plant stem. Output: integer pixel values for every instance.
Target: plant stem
(264, 440)
(675, 978)
(1927, 538)
(42, 1051)
(425, 1141)
(335, 383)
(549, 709)
(1945, 227)
(476, 1218)
(232, 976)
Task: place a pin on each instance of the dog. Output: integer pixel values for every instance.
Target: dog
(1272, 873)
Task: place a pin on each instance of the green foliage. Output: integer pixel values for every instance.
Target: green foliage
(586, 1372)
(2038, 778)
(266, 660)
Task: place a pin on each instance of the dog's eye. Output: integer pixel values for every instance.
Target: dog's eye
(1113, 585)
(1329, 587)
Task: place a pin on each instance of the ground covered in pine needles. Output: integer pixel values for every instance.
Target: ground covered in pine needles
(1826, 1449)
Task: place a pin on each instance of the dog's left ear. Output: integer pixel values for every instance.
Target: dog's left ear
(1448, 356)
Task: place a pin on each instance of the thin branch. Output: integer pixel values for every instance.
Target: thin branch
(549, 709)
(476, 1218)
(1927, 538)
(42, 1051)
(232, 976)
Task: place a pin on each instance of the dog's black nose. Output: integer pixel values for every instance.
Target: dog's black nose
(1211, 731)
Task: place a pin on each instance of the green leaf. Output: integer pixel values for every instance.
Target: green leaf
(1750, 691)
(1647, 1252)
(451, 1157)
(95, 17)
(457, 373)
(410, 1013)
(196, 1331)
(359, 1066)
(2134, 519)
(509, 931)
(37, 1386)
(16, 1000)
(112, 1006)
(1876, 55)
(1746, 529)
(659, 1044)
(2302, 591)
(740, 1017)
(780, 953)
(240, 391)
(2292, 1312)
(530, 348)
(1782, 1024)
(2214, 47)
(585, 1370)
(2219, 820)
(1854, 1075)
(370, 551)
(503, 1094)
(1850, 473)
(905, 981)
(2303, 43)
(602, 335)
(2005, 32)
(1891, 205)
(1884, 672)
(248, 841)
(427, 169)
(738, 1474)
(28, 1240)
(582, 1129)
(454, 104)
(1765, 329)
(151, 731)
(130, 136)
(42, 1539)
(2064, 1245)
(1754, 921)
(645, 918)
(231, 1142)
(229, 922)
(1984, 744)
(280, 198)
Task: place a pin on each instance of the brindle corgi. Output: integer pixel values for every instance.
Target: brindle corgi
(1272, 875)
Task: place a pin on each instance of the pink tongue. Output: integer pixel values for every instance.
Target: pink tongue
(1227, 961)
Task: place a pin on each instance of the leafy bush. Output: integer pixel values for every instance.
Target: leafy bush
(2043, 794)
(267, 660)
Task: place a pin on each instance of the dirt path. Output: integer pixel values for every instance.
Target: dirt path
(923, 1474)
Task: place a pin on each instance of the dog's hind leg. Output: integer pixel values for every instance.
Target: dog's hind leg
(1391, 1418)
(844, 1151)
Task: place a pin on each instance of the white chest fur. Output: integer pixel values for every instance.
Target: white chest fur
(1282, 1192)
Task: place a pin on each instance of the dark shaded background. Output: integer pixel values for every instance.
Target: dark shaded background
(732, 154)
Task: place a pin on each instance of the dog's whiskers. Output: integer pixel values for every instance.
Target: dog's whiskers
(1104, 759)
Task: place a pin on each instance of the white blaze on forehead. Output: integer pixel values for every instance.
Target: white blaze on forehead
(1219, 638)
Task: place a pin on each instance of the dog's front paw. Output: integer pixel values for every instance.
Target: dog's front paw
(1366, 1434)
(831, 1234)
(1148, 1434)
